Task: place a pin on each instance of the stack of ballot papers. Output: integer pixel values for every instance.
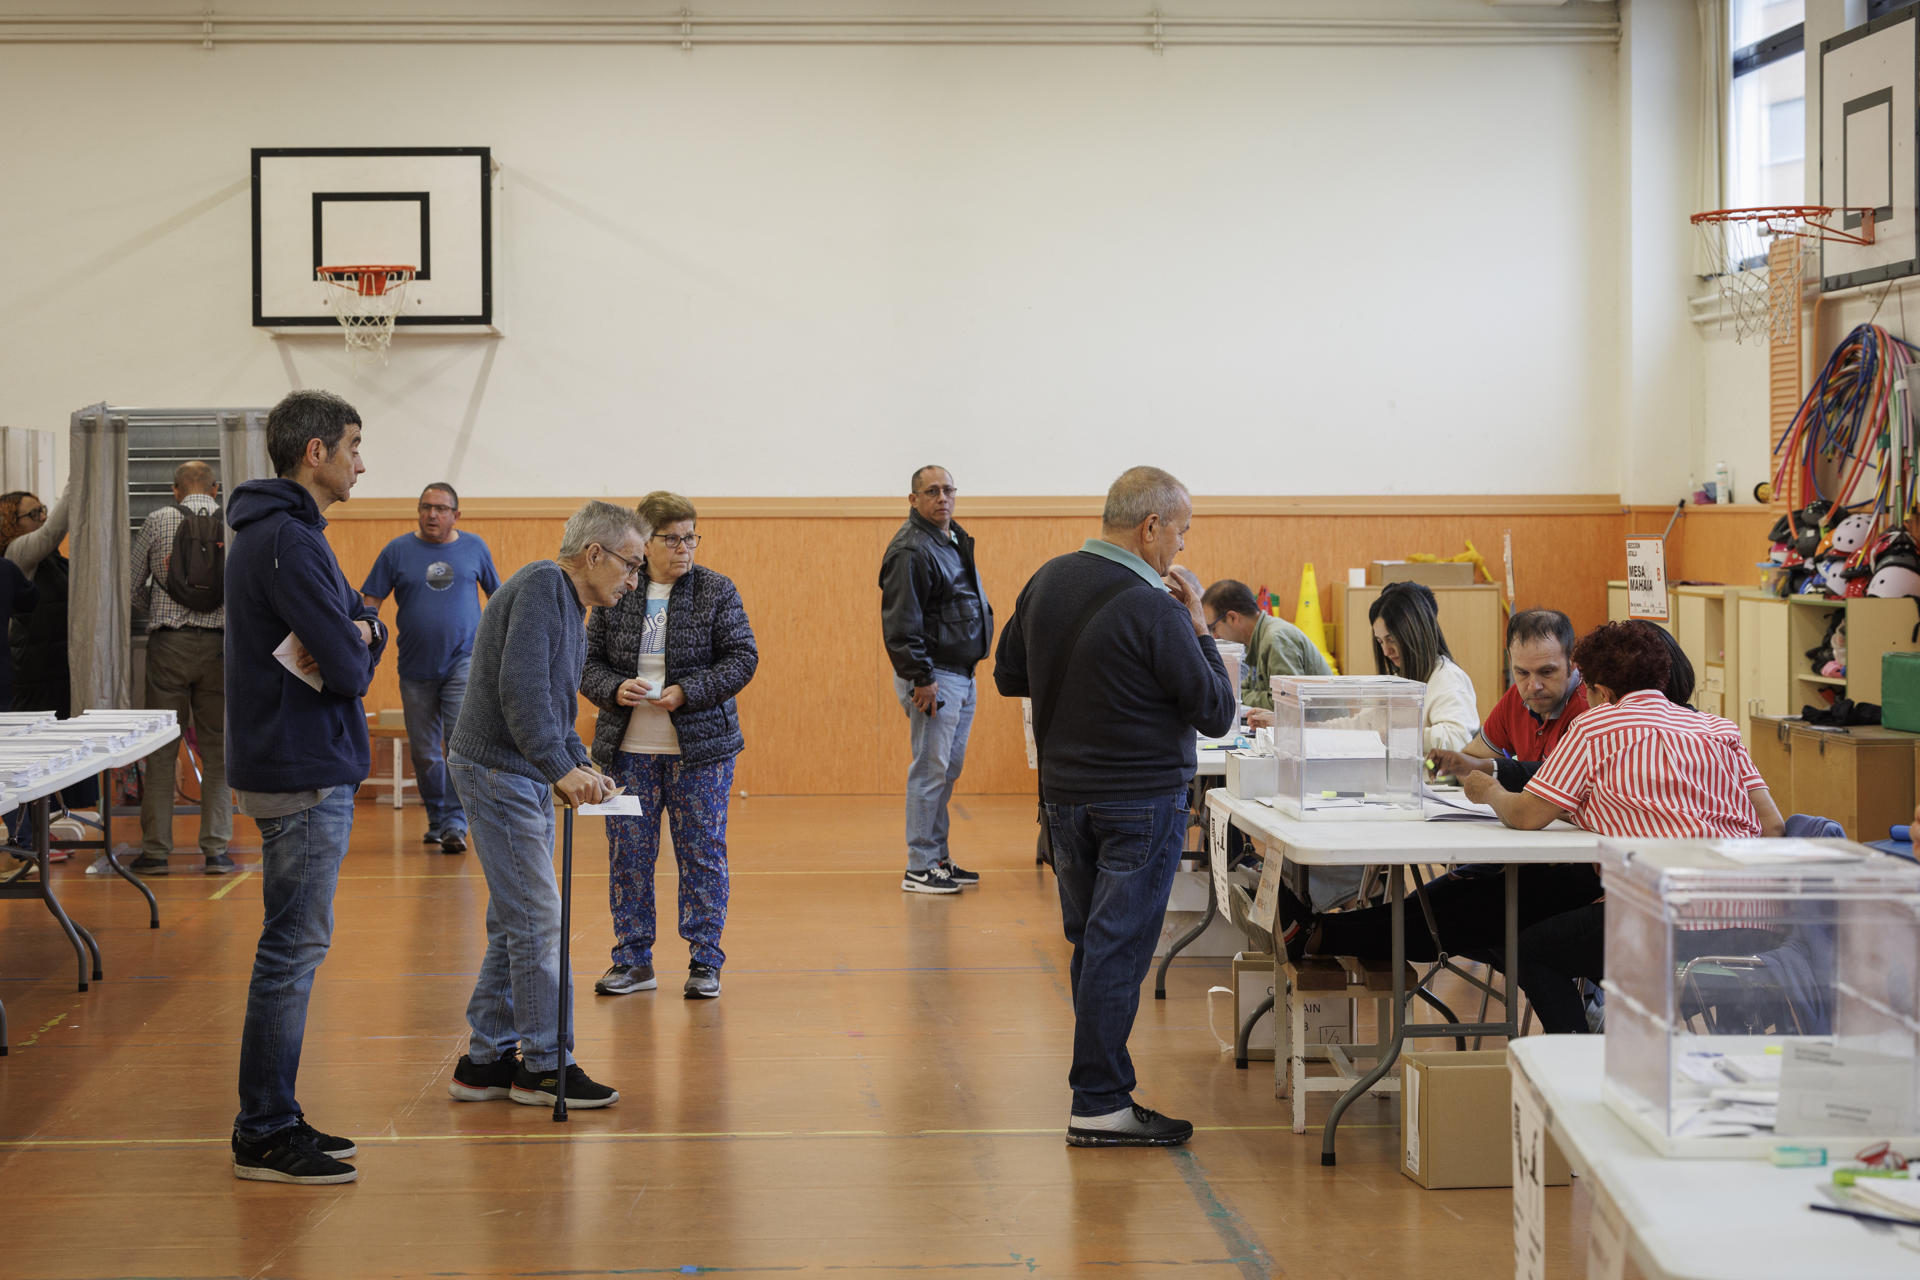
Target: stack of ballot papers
(22, 765)
(1895, 1197)
(18, 722)
(1741, 1094)
(1450, 804)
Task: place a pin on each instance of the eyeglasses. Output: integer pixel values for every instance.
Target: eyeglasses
(34, 513)
(635, 569)
(435, 509)
(1213, 627)
(939, 491)
(676, 541)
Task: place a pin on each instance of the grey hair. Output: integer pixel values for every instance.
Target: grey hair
(1141, 492)
(600, 523)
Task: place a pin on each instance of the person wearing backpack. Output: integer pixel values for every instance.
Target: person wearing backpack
(179, 569)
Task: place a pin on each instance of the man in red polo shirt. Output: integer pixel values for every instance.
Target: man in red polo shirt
(1545, 697)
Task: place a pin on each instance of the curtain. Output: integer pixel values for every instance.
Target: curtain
(99, 605)
(1716, 99)
(243, 450)
(26, 461)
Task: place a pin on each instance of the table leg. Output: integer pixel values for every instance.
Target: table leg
(1396, 895)
(106, 836)
(1184, 941)
(398, 801)
(1246, 1032)
(1512, 985)
(37, 815)
(1197, 804)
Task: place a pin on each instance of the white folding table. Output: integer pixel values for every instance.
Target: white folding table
(1210, 762)
(1694, 1219)
(1401, 844)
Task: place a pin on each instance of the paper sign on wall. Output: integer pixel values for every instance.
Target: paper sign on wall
(1647, 579)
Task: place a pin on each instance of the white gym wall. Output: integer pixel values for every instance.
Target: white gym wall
(1356, 267)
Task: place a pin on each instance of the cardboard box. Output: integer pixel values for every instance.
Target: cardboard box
(1456, 1121)
(1252, 984)
(1443, 573)
(1250, 776)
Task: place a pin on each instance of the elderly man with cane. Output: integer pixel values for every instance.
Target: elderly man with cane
(514, 744)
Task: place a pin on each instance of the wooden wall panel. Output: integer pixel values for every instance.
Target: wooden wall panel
(820, 716)
(1708, 544)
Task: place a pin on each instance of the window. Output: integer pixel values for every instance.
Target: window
(1767, 123)
(1787, 131)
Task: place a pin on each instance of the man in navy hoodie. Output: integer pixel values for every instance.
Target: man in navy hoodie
(296, 752)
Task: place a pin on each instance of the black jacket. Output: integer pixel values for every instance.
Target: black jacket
(710, 654)
(933, 610)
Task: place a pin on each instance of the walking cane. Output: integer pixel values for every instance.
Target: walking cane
(566, 926)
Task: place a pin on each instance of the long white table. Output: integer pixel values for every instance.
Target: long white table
(1695, 1219)
(33, 796)
(1401, 844)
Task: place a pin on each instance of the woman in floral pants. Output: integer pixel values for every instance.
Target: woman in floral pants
(663, 666)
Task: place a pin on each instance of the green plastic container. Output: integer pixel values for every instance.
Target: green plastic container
(1900, 691)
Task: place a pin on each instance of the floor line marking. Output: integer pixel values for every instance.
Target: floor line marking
(228, 887)
(691, 1135)
(1254, 1262)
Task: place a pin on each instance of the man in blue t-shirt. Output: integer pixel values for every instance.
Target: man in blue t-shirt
(434, 573)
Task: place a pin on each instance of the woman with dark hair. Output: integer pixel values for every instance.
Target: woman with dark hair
(1635, 765)
(30, 535)
(1407, 641)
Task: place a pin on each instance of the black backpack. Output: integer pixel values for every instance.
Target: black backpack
(196, 572)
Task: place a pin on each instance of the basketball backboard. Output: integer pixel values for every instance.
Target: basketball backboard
(428, 207)
(1869, 148)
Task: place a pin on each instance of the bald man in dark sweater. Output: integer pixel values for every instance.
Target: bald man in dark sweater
(1128, 689)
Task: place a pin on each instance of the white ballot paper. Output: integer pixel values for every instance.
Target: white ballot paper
(284, 652)
(618, 807)
(1834, 1090)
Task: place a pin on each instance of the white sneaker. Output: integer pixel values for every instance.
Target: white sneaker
(935, 879)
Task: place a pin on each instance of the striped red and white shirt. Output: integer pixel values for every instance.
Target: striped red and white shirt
(1646, 767)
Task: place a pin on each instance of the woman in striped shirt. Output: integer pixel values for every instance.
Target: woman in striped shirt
(1635, 765)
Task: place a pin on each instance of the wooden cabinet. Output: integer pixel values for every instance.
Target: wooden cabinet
(1874, 627)
(1762, 666)
(1862, 777)
(1771, 746)
(1472, 619)
(1617, 605)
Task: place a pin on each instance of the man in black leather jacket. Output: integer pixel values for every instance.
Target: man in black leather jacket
(938, 625)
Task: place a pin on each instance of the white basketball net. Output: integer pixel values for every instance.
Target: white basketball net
(365, 300)
(1762, 303)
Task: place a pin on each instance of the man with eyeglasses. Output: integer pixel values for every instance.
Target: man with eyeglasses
(436, 574)
(937, 625)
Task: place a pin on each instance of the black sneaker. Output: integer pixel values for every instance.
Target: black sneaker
(148, 864)
(291, 1155)
(960, 875)
(536, 1088)
(431, 837)
(481, 1083)
(453, 842)
(219, 864)
(338, 1148)
(625, 979)
(703, 982)
(1143, 1129)
(934, 879)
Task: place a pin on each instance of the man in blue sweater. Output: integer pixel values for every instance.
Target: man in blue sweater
(1111, 644)
(513, 746)
(296, 751)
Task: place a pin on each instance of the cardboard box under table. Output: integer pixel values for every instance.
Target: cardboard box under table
(1456, 1121)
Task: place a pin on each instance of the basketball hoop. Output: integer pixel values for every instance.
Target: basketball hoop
(365, 300)
(1758, 256)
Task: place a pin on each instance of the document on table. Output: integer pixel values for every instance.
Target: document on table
(618, 807)
(1830, 1089)
(284, 651)
(1453, 806)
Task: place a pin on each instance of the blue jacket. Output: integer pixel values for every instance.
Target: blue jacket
(283, 734)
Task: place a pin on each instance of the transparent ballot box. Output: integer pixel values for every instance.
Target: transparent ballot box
(1761, 993)
(1349, 747)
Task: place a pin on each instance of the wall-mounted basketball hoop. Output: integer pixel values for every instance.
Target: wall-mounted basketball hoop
(1758, 258)
(365, 300)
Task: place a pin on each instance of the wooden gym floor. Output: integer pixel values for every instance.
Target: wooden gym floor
(879, 1091)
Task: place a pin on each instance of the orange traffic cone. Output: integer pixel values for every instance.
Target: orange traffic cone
(1307, 616)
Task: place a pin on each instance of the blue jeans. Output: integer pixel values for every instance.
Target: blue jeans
(516, 997)
(1114, 862)
(939, 751)
(299, 866)
(432, 707)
